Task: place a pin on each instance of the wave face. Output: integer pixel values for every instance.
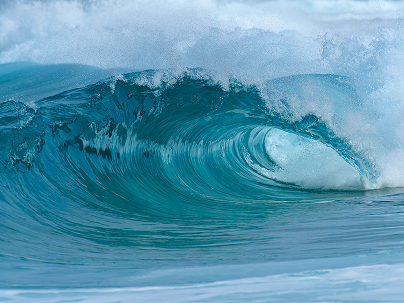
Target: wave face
(152, 150)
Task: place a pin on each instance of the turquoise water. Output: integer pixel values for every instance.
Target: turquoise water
(215, 163)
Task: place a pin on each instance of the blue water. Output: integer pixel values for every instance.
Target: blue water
(224, 161)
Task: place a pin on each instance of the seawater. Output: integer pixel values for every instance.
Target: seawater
(213, 151)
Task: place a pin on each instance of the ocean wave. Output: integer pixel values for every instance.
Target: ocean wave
(163, 143)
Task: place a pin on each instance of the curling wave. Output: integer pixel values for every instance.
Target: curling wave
(153, 138)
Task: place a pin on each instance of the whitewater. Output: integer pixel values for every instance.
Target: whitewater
(201, 151)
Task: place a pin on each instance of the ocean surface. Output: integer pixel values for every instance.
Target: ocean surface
(201, 151)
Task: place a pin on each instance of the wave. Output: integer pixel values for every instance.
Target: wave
(165, 159)
(156, 144)
(257, 43)
(160, 136)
